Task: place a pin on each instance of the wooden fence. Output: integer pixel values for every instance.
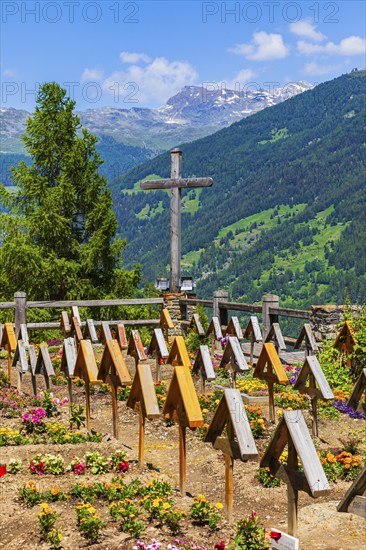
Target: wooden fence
(20, 306)
(269, 310)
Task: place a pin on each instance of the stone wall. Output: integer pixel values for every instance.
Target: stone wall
(325, 320)
(171, 303)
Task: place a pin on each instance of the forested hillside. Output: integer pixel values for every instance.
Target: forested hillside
(287, 209)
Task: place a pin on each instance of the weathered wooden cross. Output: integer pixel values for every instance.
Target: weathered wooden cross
(175, 184)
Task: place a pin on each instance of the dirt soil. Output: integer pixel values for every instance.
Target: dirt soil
(320, 525)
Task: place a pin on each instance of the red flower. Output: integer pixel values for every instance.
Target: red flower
(221, 545)
(123, 466)
(275, 535)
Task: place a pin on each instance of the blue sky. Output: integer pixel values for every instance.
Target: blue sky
(139, 53)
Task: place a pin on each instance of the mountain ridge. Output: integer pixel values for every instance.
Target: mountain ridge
(309, 149)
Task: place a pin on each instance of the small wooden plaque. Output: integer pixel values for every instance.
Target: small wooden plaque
(157, 346)
(269, 366)
(86, 366)
(143, 392)
(135, 347)
(182, 403)
(203, 364)
(113, 364)
(234, 328)
(214, 329)
(8, 338)
(178, 353)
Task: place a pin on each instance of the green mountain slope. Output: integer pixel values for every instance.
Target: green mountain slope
(287, 209)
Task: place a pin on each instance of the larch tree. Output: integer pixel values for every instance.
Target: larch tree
(58, 234)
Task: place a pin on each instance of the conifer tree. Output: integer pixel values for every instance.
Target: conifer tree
(58, 236)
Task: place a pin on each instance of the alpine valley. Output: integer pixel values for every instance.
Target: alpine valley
(286, 213)
(128, 137)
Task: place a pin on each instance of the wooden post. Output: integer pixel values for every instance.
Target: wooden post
(229, 477)
(175, 183)
(175, 221)
(292, 492)
(229, 485)
(20, 314)
(271, 404)
(182, 460)
(87, 404)
(220, 296)
(114, 410)
(141, 435)
(268, 301)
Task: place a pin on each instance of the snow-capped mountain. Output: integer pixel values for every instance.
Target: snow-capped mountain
(192, 113)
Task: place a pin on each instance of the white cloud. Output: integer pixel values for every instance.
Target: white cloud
(352, 45)
(315, 69)
(153, 83)
(9, 73)
(264, 46)
(92, 74)
(307, 30)
(243, 76)
(129, 57)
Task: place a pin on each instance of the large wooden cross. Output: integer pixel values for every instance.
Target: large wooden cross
(175, 184)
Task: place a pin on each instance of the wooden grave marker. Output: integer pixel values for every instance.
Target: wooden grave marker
(68, 363)
(345, 341)
(105, 332)
(237, 444)
(158, 349)
(1, 333)
(20, 362)
(166, 322)
(270, 369)
(354, 501)
(89, 331)
(312, 382)
(175, 184)
(65, 323)
(254, 334)
(196, 325)
(293, 432)
(233, 359)
(44, 365)
(356, 395)
(275, 334)
(75, 313)
(20, 357)
(86, 368)
(113, 370)
(121, 336)
(136, 348)
(9, 343)
(203, 366)
(76, 330)
(215, 332)
(307, 336)
(143, 399)
(234, 329)
(182, 406)
(178, 354)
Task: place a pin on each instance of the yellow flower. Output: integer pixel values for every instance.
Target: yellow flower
(166, 506)
(219, 505)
